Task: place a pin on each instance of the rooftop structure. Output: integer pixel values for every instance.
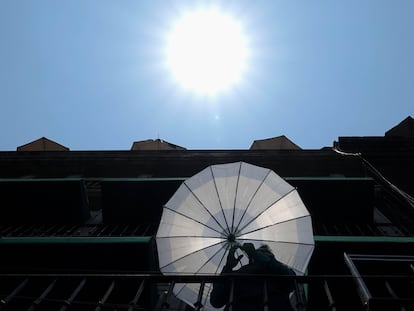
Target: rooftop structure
(42, 144)
(154, 144)
(275, 143)
(403, 129)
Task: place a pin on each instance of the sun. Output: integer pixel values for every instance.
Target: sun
(207, 51)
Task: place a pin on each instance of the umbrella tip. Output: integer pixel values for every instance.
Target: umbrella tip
(231, 238)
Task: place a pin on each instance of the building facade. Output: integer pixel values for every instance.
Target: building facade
(77, 227)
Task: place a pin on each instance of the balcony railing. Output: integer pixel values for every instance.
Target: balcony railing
(153, 292)
(132, 230)
(81, 230)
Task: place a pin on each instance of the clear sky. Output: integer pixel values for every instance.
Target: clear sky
(92, 74)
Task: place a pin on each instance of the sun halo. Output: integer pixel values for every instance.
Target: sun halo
(207, 51)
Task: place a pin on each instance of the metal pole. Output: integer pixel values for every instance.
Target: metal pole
(265, 297)
(134, 301)
(105, 296)
(199, 305)
(42, 296)
(329, 295)
(6, 300)
(68, 302)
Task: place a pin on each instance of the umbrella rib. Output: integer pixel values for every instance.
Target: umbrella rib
(235, 198)
(189, 254)
(218, 196)
(199, 201)
(228, 246)
(251, 199)
(212, 258)
(277, 241)
(195, 220)
(258, 215)
(186, 236)
(206, 263)
(276, 223)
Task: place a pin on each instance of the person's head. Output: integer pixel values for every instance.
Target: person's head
(264, 248)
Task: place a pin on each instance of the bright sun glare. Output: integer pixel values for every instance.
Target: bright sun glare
(207, 51)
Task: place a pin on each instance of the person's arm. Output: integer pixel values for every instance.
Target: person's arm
(219, 296)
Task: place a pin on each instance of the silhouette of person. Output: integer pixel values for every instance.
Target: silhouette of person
(248, 295)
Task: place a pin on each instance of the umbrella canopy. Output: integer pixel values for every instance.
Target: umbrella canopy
(227, 204)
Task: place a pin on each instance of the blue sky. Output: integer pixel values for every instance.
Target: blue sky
(91, 75)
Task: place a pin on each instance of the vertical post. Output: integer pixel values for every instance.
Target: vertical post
(134, 301)
(364, 293)
(68, 302)
(6, 300)
(300, 299)
(105, 296)
(198, 305)
(265, 296)
(231, 296)
(393, 293)
(42, 296)
(329, 295)
(164, 303)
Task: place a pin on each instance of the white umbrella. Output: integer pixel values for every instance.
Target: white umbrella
(226, 204)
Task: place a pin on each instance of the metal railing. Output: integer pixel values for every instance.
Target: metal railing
(130, 230)
(78, 230)
(392, 290)
(149, 291)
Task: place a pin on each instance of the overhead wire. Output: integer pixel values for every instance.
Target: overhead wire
(404, 195)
